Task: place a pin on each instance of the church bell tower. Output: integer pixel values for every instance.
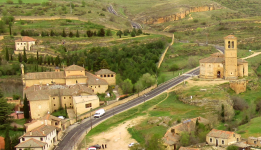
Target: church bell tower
(230, 70)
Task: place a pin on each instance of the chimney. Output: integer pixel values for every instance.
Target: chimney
(43, 131)
(45, 122)
(31, 133)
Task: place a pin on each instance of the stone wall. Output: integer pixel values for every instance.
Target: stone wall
(238, 86)
(177, 16)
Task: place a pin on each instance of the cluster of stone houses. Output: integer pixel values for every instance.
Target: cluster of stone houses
(72, 88)
(42, 133)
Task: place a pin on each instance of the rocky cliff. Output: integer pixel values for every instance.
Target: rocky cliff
(177, 16)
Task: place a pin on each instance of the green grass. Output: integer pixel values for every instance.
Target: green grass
(26, 1)
(250, 129)
(59, 113)
(11, 133)
(20, 121)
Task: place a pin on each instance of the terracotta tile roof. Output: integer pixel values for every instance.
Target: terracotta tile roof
(104, 71)
(188, 148)
(45, 75)
(31, 143)
(241, 61)
(49, 117)
(37, 92)
(94, 80)
(220, 134)
(2, 142)
(25, 39)
(73, 77)
(230, 37)
(74, 68)
(40, 131)
(214, 58)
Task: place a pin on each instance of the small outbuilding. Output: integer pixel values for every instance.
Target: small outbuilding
(222, 138)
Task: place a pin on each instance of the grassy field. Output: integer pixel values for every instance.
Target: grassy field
(250, 129)
(25, 1)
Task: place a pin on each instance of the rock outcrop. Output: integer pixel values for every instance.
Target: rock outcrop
(177, 16)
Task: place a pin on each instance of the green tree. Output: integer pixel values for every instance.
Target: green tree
(127, 86)
(77, 34)
(148, 80)
(119, 33)
(154, 143)
(6, 54)
(70, 34)
(126, 32)
(2, 27)
(108, 32)
(104, 64)
(9, 2)
(57, 60)
(232, 147)
(133, 34)
(52, 33)
(64, 34)
(174, 67)
(20, 58)
(20, 1)
(139, 31)
(65, 111)
(184, 139)
(139, 87)
(222, 113)
(5, 111)
(101, 32)
(89, 33)
(7, 139)
(24, 56)
(26, 108)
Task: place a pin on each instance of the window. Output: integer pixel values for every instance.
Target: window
(222, 141)
(64, 97)
(99, 86)
(108, 75)
(105, 75)
(231, 73)
(88, 105)
(69, 97)
(53, 104)
(20, 149)
(17, 43)
(24, 43)
(22, 139)
(91, 86)
(254, 142)
(228, 44)
(101, 75)
(56, 123)
(210, 139)
(41, 139)
(232, 44)
(70, 103)
(95, 86)
(209, 65)
(53, 98)
(112, 75)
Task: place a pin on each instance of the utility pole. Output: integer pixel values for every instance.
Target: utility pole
(76, 114)
(91, 118)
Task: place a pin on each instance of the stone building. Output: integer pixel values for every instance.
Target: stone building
(24, 42)
(222, 138)
(225, 66)
(40, 138)
(254, 141)
(83, 104)
(107, 75)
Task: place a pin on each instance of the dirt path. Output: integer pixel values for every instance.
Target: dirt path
(253, 55)
(118, 137)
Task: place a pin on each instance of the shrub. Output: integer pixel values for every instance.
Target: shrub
(232, 147)
(102, 14)
(239, 103)
(9, 2)
(89, 11)
(103, 9)
(195, 20)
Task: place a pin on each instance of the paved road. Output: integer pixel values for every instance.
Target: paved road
(73, 136)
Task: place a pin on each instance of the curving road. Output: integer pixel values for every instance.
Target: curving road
(73, 136)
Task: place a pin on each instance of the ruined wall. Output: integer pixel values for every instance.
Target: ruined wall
(177, 16)
(238, 86)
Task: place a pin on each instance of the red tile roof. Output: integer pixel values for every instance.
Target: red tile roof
(220, 133)
(230, 37)
(2, 142)
(25, 39)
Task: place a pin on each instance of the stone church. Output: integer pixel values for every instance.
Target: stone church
(226, 66)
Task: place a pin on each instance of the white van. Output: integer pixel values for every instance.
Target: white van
(99, 113)
(91, 148)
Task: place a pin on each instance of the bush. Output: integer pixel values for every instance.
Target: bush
(121, 98)
(102, 14)
(9, 2)
(239, 103)
(232, 147)
(195, 20)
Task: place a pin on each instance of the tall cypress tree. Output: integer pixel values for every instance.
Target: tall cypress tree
(7, 139)
(24, 56)
(64, 34)
(6, 54)
(77, 34)
(26, 108)
(65, 109)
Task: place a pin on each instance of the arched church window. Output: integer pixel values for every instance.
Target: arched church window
(228, 44)
(232, 44)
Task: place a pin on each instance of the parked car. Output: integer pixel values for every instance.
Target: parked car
(91, 148)
(99, 113)
(97, 146)
(61, 117)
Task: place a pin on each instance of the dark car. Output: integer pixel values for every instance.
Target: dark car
(97, 146)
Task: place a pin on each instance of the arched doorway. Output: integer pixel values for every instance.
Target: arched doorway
(218, 74)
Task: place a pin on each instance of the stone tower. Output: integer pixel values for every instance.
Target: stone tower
(230, 69)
